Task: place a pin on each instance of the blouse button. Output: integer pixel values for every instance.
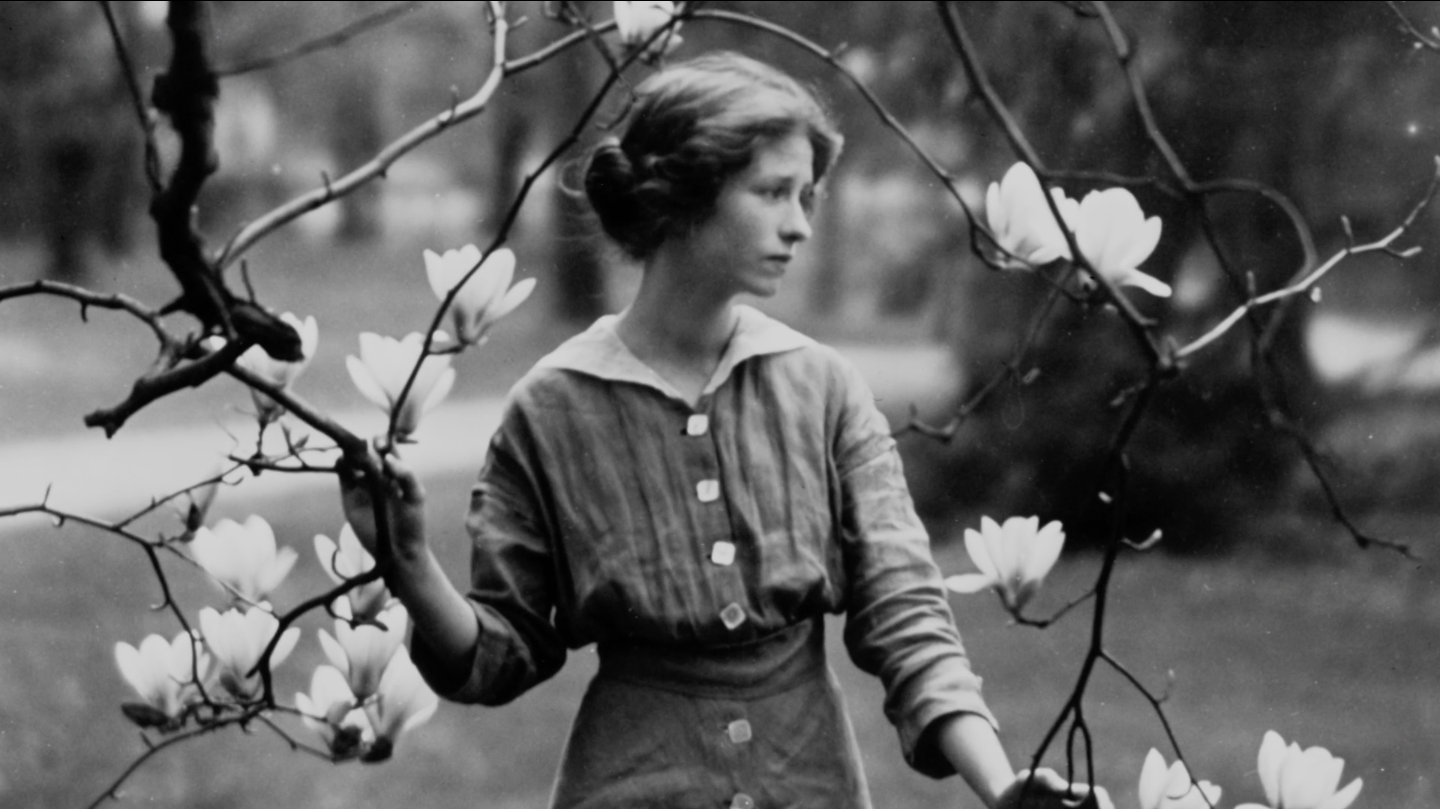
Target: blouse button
(742, 801)
(698, 424)
(739, 731)
(733, 615)
(722, 553)
(708, 491)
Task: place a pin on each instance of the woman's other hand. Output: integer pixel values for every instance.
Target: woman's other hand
(404, 507)
(1047, 790)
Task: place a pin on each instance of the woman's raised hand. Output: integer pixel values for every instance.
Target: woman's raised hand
(404, 507)
(1047, 790)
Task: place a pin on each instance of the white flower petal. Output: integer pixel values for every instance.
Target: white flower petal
(1343, 798)
(1271, 761)
(334, 652)
(979, 552)
(969, 582)
(366, 383)
(1152, 780)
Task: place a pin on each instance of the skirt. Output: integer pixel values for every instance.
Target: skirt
(759, 725)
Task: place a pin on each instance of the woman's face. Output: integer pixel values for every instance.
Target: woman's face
(760, 218)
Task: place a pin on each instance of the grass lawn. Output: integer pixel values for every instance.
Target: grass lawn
(1342, 652)
(1338, 648)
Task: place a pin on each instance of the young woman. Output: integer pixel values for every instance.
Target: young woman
(692, 486)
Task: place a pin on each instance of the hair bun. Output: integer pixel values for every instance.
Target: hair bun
(610, 186)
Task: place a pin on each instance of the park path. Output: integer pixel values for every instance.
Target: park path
(104, 478)
(110, 478)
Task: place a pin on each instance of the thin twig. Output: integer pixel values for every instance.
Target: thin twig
(1304, 284)
(1421, 39)
(156, 502)
(1157, 704)
(137, 97)
(335, 39)
(1009, 370)
(1043, 623)
(151, 750)
(101, 300)
(253, 232)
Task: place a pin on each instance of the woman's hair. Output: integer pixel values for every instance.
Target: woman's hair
(693, 126)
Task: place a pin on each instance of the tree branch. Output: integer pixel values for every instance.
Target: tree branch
(335, 39)
(1421, 40)
(87, 298)
(1303, 285)
(147, 124)
(247, 236)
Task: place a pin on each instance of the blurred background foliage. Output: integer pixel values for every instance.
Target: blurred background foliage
(1328, 102)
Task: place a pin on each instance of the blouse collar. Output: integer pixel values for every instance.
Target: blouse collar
(599, 352)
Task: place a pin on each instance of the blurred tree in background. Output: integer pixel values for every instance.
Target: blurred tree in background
(69, 149)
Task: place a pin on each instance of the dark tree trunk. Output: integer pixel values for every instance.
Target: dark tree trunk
(357, 133)
(70, 165)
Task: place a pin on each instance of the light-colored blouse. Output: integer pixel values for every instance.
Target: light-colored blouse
(609, 510)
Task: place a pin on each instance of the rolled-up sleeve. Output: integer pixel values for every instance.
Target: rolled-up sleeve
(899, 625)
(512, 586)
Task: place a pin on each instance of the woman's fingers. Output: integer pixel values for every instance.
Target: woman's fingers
(1048, 789)
(406, 484)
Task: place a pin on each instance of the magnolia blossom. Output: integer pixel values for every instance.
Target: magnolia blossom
(1301, 779)
(243, 557)
(403, 702)
(486, 297)
(1162, 788)
(1114, 237)
(1013, 559)
(385, 363)
(236, 640)
(162, 673)
(332, 711)
(638, 21)
(279, 372)
(363, 652)
(1022, 221)
(346, 559)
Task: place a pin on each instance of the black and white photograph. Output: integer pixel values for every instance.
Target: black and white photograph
(574, 404)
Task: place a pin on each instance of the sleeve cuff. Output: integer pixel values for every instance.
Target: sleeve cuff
(931, 698)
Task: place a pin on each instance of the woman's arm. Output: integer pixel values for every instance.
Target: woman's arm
(441, 615)
(970, 744)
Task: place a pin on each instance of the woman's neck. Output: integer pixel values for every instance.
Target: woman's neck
(680, 329)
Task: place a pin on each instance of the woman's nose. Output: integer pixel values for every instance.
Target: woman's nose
(796, 226)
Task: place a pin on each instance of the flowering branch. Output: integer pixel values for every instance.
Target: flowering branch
(503, 231)
(1139, 326)
(1421, 39)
